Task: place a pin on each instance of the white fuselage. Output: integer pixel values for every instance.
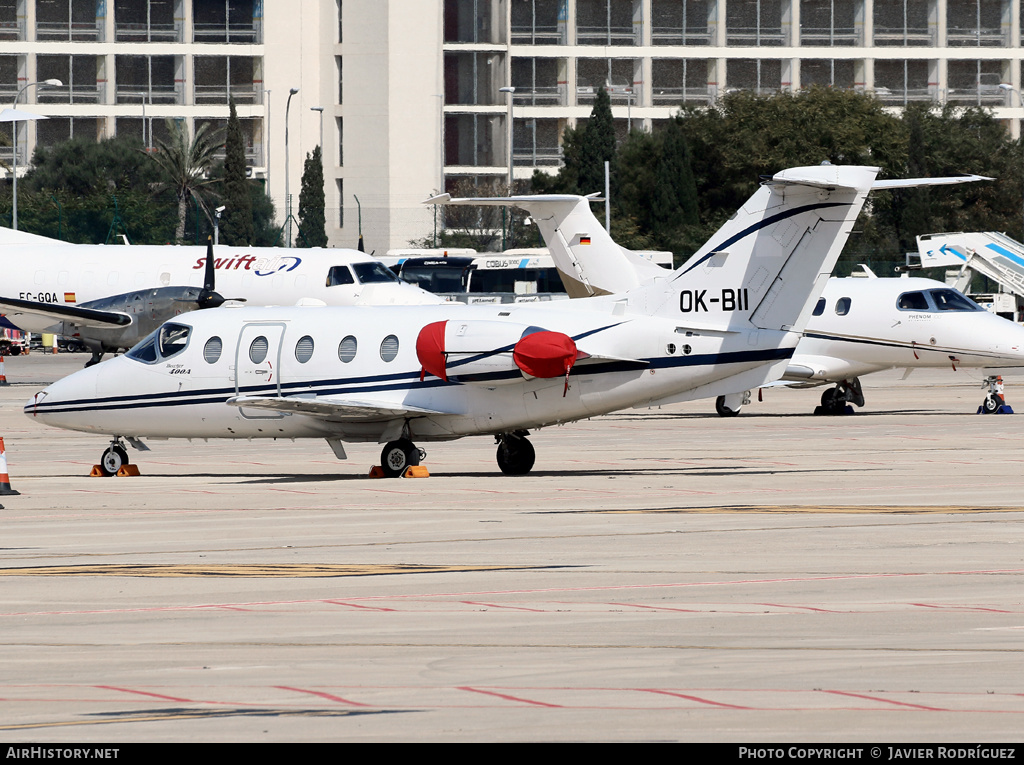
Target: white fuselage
(634, 359)
(871, 332)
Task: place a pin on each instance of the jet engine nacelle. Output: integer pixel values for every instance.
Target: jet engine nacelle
(488, 351)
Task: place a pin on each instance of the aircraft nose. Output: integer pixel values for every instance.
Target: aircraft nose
(64, 403)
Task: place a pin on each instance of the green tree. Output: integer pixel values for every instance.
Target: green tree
(236, 228)
(69, 192)
(185, 160)
(584, 152)
(598, 145)
(311, 202)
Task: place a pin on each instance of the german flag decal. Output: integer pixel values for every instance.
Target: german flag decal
(584, 239)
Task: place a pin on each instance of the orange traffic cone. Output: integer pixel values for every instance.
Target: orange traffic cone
(3, 377)
(5, 481)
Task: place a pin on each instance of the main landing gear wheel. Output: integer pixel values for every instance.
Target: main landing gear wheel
(992, 403)
(834, 400)
(515, 454)
(399, 455)
(113, 459)
(723, 410)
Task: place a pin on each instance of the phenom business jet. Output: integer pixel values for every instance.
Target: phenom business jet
(728, 320)
(858, 326)
(110, 297)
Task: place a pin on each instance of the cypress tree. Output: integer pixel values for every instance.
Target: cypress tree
(598, 145)
(236, 227)
(311, 202)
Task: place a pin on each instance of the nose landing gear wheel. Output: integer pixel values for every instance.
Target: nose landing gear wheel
(992, 403)
(113, 459)
(515, 454)
(399, 455)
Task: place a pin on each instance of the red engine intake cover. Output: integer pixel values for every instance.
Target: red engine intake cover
(545, 354)
(430, 349)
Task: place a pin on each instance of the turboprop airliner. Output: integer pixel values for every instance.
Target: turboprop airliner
(110, 297)
(728, 320)
(858, 326)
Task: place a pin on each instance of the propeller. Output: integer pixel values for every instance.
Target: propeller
(208, 296)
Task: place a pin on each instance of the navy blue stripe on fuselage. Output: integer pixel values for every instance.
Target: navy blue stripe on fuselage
(908, 346)
(404, 381)
(771, 219)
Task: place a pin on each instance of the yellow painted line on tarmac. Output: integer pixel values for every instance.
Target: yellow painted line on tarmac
(826, 509)
(301, 570)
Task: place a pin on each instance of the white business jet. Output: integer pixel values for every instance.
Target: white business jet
(858, 326)
(728, 320)
(110, 297)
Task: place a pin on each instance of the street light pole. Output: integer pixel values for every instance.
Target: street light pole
(287, 194)
(511, 92)
(14, 129)
(267, 141)
(321, 110)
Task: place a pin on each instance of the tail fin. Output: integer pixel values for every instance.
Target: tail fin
(589, 261)
(768, 264)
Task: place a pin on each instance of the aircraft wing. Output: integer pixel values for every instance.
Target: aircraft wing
(83, 317)
(333, 408)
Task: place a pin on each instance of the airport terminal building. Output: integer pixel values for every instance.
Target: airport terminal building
(406, 95)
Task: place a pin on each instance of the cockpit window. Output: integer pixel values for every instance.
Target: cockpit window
(843, 306)
(912, 301)
(819, 309)
(172, 339)
(372, 271)
(951, 300)
(339, 275)
(166, 342)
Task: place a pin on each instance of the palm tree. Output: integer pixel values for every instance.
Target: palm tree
(184, 160)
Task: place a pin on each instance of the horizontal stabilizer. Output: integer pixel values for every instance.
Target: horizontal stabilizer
(905, 183)
(332, 408)
(83, 317)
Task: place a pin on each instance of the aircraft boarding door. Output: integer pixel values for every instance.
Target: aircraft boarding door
(257, 365)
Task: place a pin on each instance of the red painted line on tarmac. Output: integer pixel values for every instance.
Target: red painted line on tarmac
(463, 595)
(499, 605)
(144, 693)
(888, 701)
(802, 608)
(356, 605)
(657, 608)
(964, 608)
(693, 698)
(321, 694)
(509, 697)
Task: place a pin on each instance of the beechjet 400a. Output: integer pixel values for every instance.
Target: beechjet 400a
(858, 326)
(728, 320)
(110, 297)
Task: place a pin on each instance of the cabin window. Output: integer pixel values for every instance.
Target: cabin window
(951, 300)
(819, 308)
(912, 301)
(258, 350)
(842, 306)
(212, 349)
(373, 271)
(347, 349)
(389, 348)
(338, 275)
(304, 349)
